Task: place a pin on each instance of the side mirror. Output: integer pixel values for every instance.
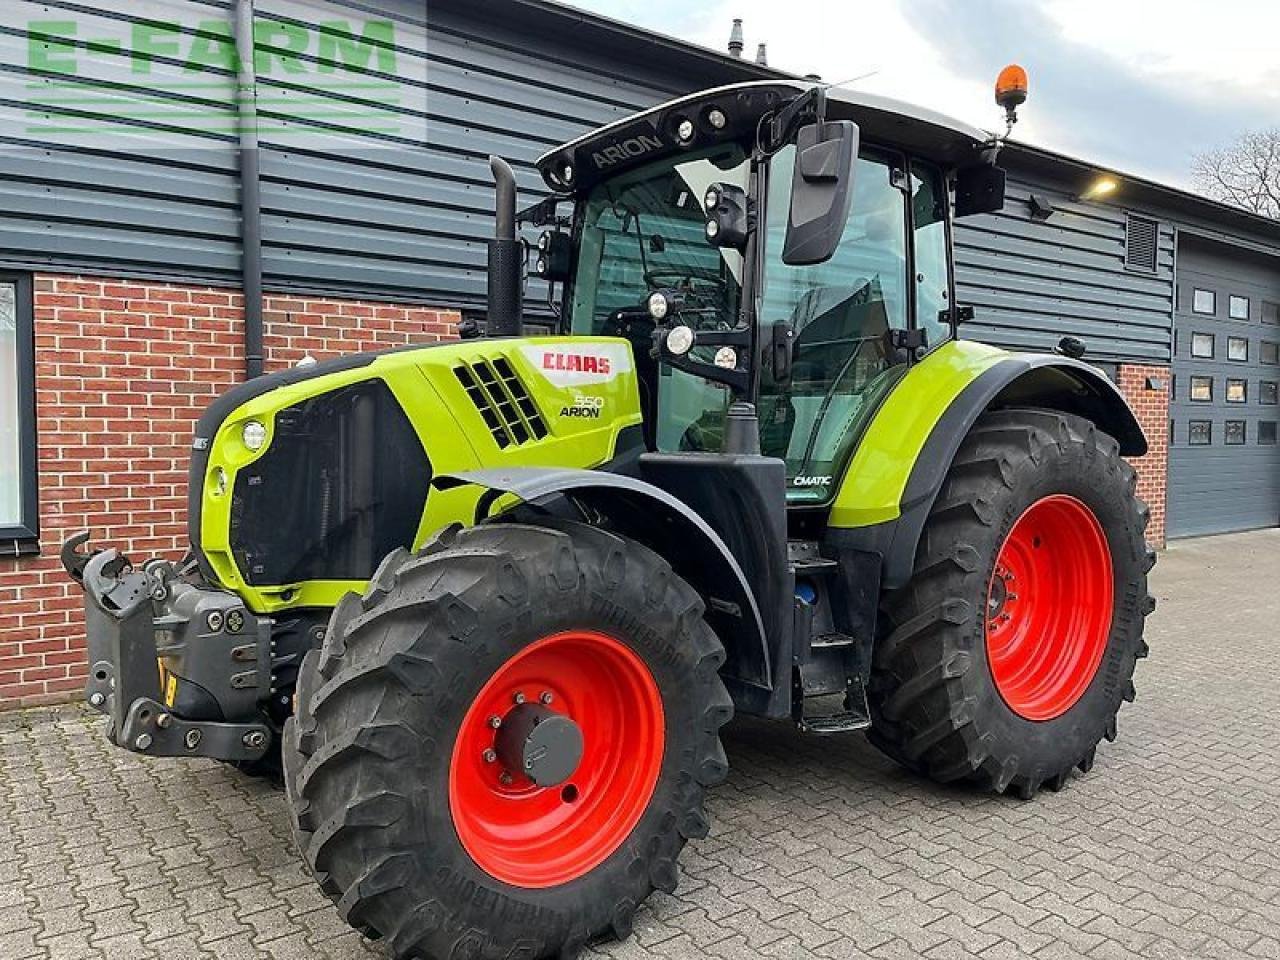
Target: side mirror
(821, 191)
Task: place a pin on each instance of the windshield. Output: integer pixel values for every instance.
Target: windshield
(645, 231)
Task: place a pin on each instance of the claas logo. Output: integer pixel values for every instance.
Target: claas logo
(575, 362)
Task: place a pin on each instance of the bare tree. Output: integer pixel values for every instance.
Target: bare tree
(1245, 174)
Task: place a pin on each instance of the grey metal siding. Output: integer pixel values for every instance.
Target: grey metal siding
(1033, 281)
(375, 180)
(114, 166)
(1218, 487)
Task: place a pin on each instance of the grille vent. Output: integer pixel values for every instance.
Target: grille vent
(502, 401)
(1141, 243)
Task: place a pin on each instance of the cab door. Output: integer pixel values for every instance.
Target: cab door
(839, 312)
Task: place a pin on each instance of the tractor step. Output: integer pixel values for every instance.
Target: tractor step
(806, 558)
(854, 714)
(832, 723)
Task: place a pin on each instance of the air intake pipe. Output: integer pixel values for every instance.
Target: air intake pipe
(506, 256)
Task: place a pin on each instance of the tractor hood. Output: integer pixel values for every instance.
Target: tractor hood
(302, 481)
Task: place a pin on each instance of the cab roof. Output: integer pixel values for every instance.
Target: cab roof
(650, 134)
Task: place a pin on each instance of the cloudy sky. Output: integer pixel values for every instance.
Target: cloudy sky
(1139, 85)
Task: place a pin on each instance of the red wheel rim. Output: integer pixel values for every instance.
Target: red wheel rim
(535, 837)
(1049, 607)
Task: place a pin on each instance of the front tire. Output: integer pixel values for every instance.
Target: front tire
(1006, 658)
(408, 805)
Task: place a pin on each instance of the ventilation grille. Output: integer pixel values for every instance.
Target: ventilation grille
(502, 401)
(1141, 243)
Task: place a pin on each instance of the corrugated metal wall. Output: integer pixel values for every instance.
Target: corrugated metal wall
(376, 123)
(109, 159)
(1033, 281)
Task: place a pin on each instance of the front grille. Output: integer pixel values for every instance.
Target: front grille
(502, 401)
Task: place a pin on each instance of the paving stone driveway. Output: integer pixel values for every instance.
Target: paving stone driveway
(821, 848)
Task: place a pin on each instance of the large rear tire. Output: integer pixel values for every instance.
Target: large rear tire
(1006, 658)
(401, 765)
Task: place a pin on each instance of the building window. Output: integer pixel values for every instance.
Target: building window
(18, 523)
(1267, 433)
(1237, 348)
(1234, 434)
(1202, 389)
(1267, 392)
(1202, 345)
(1204, 301)
(1270, 312)
(1237, 390)
(1238, 307)
(1270, 352)
(1200, 433)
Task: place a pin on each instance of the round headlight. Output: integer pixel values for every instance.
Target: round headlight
(713, 229)
(219, 481)
(716, 117)
(659, 305)
(254, 435)
(726, 358)
(711, 199)
(684, 130)
(679, 340)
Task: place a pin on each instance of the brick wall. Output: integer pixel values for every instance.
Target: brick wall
(123, 370)
(1152, 409)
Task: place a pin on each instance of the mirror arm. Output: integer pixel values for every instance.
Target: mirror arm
(785, 121)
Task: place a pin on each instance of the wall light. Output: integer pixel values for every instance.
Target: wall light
(1100, 188)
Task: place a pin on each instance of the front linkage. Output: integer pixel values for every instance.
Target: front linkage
(151, 630)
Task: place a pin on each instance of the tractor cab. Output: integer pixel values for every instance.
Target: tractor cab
(686, 238)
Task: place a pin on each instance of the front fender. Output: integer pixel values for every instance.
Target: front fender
(694, 550)
(895, 476)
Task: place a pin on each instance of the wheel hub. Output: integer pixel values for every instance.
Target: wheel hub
(543, 745)
(556, 759)
(1049, 608)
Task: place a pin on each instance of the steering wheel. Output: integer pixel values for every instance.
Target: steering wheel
(681, 279)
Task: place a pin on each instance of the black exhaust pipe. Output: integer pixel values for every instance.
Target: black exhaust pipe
(506, 257)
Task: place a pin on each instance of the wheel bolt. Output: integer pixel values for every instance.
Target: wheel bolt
(490, 756)
(506, 779)
(546, 697)
(495, 722)
(519, 697)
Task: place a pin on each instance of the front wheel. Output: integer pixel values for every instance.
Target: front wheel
(502, 747)
(1006, 658)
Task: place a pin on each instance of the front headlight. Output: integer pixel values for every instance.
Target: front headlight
(254, 435)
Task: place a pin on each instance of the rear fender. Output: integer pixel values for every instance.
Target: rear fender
(981, 379)
(672, 529)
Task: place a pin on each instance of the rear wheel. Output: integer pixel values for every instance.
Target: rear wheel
(502, 747)
(1006, 658)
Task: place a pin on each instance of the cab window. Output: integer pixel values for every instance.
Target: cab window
(929, 220)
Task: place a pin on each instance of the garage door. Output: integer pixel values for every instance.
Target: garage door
(1224, 461)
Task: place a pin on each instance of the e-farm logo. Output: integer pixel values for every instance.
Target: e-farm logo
(145, 75)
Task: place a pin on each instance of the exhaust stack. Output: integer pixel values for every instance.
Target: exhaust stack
(506, 257)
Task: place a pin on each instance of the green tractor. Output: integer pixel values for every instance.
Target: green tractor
(491, 601)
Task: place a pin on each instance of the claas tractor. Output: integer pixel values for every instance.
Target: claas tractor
(489, 602)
